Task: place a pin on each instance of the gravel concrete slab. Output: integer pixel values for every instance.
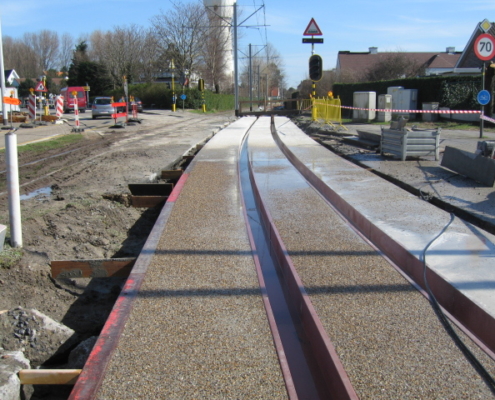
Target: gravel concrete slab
(199, 328)
(464, 255)
(385, 332)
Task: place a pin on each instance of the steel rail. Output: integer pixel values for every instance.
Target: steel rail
(329, 378)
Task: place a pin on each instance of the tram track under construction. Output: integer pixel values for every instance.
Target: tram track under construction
(276, 269)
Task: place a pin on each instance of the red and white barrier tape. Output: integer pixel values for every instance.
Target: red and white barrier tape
(416, 111)
(487, 118)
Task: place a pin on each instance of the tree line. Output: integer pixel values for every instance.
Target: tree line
(188, 34)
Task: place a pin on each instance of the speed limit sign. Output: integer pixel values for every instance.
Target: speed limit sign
(484, 47)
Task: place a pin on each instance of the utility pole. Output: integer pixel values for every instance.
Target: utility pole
(12, 166)
(250, 79)
(236, 65)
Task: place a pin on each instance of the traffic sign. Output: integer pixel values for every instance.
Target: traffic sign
(312, 40)
(40, 87)
(483, 97)
(312, 29)
(11, 100)
(183, 96)
(484, 47)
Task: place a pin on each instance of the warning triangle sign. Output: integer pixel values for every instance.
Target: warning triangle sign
(312, 29)
(40, 87)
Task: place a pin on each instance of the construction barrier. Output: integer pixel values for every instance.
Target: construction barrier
(59, 106)
(32, 107)
(121, 114)
(327, 110)
(134, 110)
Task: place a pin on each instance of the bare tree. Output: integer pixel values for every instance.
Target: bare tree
(214, 57)
(120, 50)
(150, 56)
(21, 57)
(66, 51)
(267, 73)
(393, 65)
(45, 45)
(182, 31)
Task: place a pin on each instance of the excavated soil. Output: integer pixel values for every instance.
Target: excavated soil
(77, 207)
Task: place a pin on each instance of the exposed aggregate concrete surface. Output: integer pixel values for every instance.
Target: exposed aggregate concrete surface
(199, 328)
(385, 332)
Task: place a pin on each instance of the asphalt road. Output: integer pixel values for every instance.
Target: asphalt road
(42, 132)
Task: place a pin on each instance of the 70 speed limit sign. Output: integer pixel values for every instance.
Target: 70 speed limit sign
(484, 47)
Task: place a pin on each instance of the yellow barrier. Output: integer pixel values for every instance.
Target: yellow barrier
(328, 111)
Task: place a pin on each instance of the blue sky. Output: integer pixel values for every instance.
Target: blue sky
(355, 25)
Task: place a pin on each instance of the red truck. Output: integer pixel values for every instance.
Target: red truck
(80, 94)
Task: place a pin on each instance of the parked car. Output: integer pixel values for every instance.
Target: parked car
(102, 106)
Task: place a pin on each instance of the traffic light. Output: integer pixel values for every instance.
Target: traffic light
(201, 85)
(315, 67)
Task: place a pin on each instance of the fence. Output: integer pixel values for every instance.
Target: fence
(327, 110)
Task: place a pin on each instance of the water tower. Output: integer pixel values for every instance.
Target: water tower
(220, 14)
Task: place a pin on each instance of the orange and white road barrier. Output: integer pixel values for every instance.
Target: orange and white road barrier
(118, 114)
(32, 107)
(59, 106)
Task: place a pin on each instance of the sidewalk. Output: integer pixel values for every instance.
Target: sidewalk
(427, 176)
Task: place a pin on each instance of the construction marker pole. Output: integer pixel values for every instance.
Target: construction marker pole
(76, 113)
(32, 107)
(13, 189)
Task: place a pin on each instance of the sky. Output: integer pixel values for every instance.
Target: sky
(354, 25)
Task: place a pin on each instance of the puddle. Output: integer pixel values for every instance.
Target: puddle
(44, 192)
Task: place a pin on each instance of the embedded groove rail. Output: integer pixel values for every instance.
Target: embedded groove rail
(335, 302)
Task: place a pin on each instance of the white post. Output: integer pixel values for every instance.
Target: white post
(13, 189)
(12, 167)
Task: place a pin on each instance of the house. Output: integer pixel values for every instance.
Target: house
(354, 65)
(469, 63)
(11, 78)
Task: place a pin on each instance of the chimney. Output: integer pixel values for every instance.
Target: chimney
(450, 50)
(373, 50)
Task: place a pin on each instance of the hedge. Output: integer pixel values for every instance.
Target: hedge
(160, 96)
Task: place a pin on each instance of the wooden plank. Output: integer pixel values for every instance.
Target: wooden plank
(49, 376)
(172, 174)
(151, 189)
(148, 201)
(98, 268)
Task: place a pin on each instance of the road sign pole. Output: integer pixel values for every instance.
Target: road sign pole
(482, 106)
